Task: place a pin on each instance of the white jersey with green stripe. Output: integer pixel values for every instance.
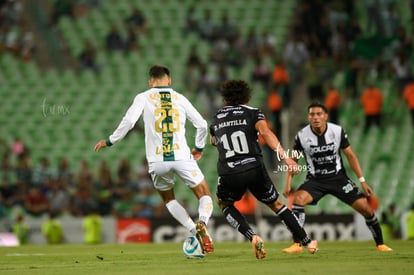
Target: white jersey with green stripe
(164, 112)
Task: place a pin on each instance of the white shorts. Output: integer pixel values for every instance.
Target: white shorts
(162, 173)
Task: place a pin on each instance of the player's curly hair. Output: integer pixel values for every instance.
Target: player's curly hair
(235, 92)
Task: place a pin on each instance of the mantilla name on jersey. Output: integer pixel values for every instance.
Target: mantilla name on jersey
(237, 122)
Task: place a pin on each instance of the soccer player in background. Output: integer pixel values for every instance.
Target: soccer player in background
(321, 143)
(165, 112)
(234, 131)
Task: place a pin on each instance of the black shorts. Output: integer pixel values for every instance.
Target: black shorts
(232, 187)
(339, 186)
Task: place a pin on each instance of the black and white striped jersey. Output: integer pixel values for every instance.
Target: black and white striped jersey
(235, 135)
(322, 153)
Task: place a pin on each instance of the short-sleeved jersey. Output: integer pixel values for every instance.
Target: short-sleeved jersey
(165, 112)
(322, 153)
(233, 130)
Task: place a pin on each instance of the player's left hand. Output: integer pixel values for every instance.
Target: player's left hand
(368, 192)
(99, 145)
(196, 154)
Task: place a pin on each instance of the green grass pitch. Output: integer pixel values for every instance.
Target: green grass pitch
(229, 258)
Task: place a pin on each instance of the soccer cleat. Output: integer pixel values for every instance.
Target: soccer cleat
(383, 248)
(294, 248)
(312, 247)
(258, 247)
(204, 238)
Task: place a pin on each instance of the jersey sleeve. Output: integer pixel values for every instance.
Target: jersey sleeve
(344, 139)
(129, 119)
(258, 115)
(198, 122)
(297, 145)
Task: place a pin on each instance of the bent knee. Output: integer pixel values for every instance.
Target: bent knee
(302, 198)
(362, 206)
(223, 204)
(366, 212)
(201, 189)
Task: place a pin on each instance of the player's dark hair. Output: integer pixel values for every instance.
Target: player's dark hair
(158, 71)
(318, 104)
(235, 92)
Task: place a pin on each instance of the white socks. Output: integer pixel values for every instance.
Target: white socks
(205, 209)
(180, 214)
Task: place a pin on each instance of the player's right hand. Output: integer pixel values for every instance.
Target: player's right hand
(99, 145)
(293, 166)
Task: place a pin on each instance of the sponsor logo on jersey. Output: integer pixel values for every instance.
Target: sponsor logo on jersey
(322, 149)
(238, 112)
(223, 115)
(233, 164)
(167, 148)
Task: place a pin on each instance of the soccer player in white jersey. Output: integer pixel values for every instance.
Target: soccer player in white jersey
(165, 112)
(321, 143)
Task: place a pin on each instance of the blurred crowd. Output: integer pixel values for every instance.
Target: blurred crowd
(327, 37)
(39, 188)
(16, 36)
(116, 40)
(324, 38)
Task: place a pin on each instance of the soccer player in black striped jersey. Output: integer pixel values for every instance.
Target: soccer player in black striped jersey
(321, 144)
(234, 131)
